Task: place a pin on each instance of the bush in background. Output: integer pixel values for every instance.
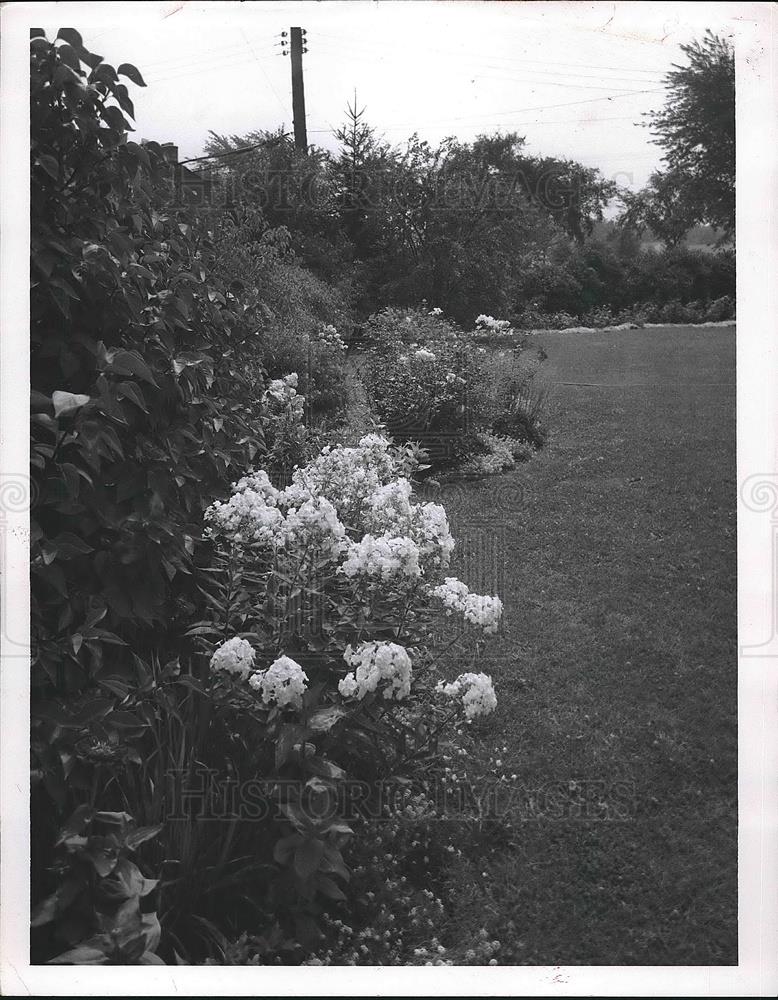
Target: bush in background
(432, 383)
(425, 383)
(293, 307)
(572, 285)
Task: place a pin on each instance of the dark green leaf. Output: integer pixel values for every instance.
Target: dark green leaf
(129, 390)
(140, 836)
(49, 164)
(307, 857)
(128, 70)
(329, 888)
(323, 719)
(69, 35)
(69, 57)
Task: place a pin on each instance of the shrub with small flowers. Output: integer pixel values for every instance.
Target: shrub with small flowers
(430, 382)
(325, 594)
(329, 337)
(430, 388)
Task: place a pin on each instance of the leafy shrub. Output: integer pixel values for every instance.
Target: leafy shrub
(395, 326)
(434, 395)
(516, 395)
(300, 308)
(321, 667)
(497, 454)
(293, 307)
(446, 390)
(318, 361)
(576, 284)
(147, 397)
(99, 912)
(675, 311)
(141, 401)
(720, 309)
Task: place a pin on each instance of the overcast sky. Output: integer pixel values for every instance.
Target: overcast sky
(573, 78)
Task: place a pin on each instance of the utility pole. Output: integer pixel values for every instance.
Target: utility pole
(297, 38)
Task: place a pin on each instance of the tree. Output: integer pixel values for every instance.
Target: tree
(696, 129)
(663, 206)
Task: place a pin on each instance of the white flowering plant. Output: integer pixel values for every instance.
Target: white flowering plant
(395, 326)
(324, 595)
(432, 391)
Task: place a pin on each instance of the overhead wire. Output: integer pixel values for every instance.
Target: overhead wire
(284, 107)
(540, 80)
(516, 111)
(570, 75)
(471, 54)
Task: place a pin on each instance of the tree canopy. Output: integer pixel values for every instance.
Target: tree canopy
(696, 129)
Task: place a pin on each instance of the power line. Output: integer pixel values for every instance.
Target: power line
(538, 78)
(367, 57)
(188, 59)
(517, 111)
(284, 108)
(200, 67)
(518, 58)
(558, 121)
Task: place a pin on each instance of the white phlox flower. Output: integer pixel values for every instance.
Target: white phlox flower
(283, 683)
(374, 663)
(475, 691)
(235, 657)
(482, 611)
(314, 523)
(490, 323)
(383, 558)
(390, 512)
(284, 391)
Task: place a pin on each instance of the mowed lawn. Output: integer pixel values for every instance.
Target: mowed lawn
(615, 553)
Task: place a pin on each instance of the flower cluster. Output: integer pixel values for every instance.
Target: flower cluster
(284, 683)
(315, 523)
(250, 515)
(282, 393)
(375, 662)
(490, 323)
(475, 691)
(310, 508)
(390, 512)
(482, 611)
(383, 558)
(235, 656)
(347, 476)
(345, 491)
(424, 354)
(328, 336)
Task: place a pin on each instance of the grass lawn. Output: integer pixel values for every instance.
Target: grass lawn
(614, 553)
